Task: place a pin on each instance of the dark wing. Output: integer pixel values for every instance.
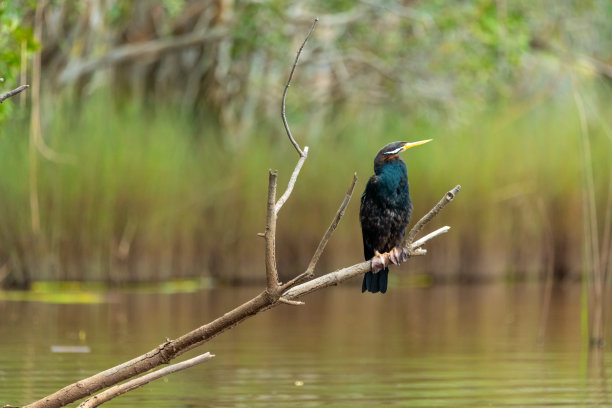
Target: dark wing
(368, 217)
(384, 216)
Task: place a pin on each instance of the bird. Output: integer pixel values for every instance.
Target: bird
(385, 213)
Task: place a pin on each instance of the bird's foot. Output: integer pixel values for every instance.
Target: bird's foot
(379, 261)
(397, 255)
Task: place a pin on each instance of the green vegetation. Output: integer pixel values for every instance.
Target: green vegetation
(16, 41)
(162, 158)
(152, 197)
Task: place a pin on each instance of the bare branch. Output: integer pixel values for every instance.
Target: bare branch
(339, 276)
(152, 49)
(271, 271)
(330, 279)
(291, 302)
(448, 197)
(188, 341)
(415, 247)
(273, 284)
(12, 93)
(309, 273)
(281, 201)
(332, 227)
(118, 390)
(297, 57)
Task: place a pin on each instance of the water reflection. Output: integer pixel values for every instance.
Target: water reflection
(442, 346)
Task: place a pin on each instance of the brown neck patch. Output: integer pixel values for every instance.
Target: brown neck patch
(390, 158)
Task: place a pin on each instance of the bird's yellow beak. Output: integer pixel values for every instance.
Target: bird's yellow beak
(413, 144)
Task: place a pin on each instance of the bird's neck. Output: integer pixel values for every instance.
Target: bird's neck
(391, 166)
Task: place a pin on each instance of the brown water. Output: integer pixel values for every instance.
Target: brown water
(473, 346)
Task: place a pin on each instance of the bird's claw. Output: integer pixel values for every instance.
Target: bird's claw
(379, 261)
(397, 255)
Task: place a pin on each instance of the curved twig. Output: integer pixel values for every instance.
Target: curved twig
(297, 57)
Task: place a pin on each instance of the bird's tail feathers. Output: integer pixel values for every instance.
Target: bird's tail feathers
(375, 282)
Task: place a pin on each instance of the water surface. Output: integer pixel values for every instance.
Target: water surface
(451, 346)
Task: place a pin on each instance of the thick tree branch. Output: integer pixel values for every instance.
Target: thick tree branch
(14, 92)
(171, 349)
(270, 235)
(118, 390)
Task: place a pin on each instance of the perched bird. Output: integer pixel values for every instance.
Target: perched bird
(385, 213)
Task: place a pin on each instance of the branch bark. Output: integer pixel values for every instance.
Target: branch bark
(121, 389)
(14, 92)
(270, 235)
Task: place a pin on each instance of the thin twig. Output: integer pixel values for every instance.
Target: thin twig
(291, 302)
(12, 93)
(118, 390)
(281, 201)
(332, 227)
(448, 197)
(309, 273)
(297, 57)
(418, 243)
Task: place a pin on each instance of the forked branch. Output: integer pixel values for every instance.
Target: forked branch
(274, 294)
(171, 349)
(121, 389)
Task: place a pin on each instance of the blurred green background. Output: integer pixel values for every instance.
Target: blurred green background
(160, 119)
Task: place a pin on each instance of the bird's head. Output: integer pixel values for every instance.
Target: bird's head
(390, 152)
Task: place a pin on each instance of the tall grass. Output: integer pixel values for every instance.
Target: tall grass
(151, 196)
